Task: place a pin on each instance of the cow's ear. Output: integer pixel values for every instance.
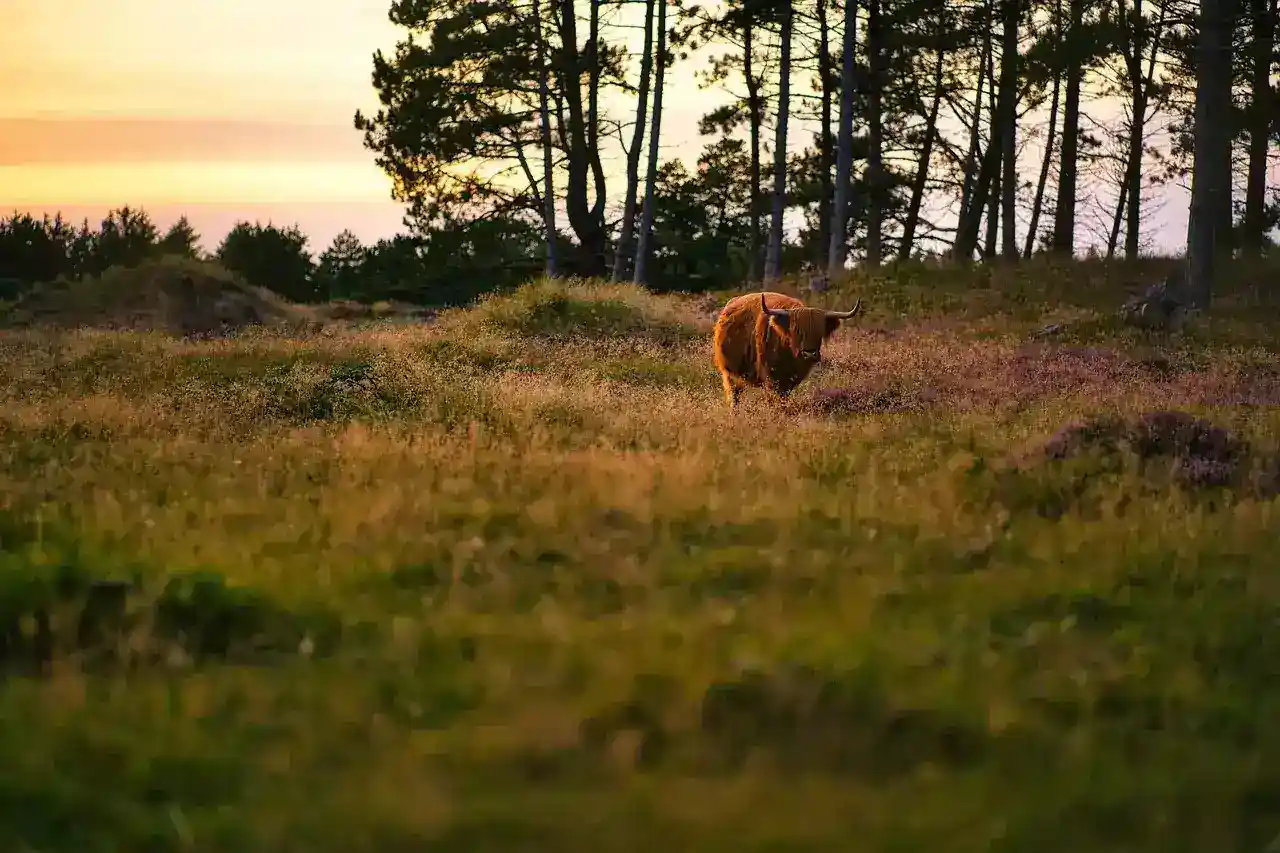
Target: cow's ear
(833, 323)
(783, 320)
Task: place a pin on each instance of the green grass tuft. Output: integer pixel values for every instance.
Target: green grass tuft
(586, 309)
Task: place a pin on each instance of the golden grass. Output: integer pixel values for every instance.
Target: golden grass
(532, 587)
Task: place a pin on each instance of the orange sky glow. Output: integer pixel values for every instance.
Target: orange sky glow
(239, 108)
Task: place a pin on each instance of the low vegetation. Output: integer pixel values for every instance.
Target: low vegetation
(517, 580)
(169, 293)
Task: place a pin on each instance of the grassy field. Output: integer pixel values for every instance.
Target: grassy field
(518, 581)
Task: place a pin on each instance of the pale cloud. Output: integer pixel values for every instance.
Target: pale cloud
(27, 141)
(143, 184)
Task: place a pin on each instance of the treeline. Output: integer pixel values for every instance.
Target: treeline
(440, 268)
(981, 128)
(700, 221)
(987, 129)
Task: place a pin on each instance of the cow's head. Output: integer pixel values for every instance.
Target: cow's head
(806, 328)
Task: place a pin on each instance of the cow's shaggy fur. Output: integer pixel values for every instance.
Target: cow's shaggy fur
(774, 351)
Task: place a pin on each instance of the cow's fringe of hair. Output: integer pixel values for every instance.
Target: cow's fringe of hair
(808, 327)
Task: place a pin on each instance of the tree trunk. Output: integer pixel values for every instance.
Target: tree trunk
(756, 108)
(655, 139)
(985, 184)
(1212, 149)
(1141, 101)
(1064, 220)
(1133, 177)
(996, 110)
(1122, 199)
(971, 160)
(1047, 162)
(1224, 173)
(967, 233)
(773, 256)
(593, 115)
(921, 179)
(1009, 126)
(637, 142)
(1263, 20)
(1131, 51)
(876, 61)
(838, 252)
(586, 225)
(825, 141)
(548, 182)
(993, 209)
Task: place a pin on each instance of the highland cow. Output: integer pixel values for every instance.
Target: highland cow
(770, 342)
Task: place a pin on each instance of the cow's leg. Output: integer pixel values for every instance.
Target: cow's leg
(732, 391)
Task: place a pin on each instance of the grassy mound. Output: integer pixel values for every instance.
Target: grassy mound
(169, 294)
(593, 310)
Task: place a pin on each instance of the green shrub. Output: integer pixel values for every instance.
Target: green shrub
(591, 310)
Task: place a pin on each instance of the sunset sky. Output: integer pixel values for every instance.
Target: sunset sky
(239, 109)
(227, 110)
(236, 109)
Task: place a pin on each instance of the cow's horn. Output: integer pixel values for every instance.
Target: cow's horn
(772, 312)
(845, 315)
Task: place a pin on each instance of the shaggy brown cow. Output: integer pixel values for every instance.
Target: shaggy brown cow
(770, 342)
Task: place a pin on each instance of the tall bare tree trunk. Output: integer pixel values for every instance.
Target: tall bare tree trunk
(996, 146)
(1261, 115)
(755, 107)
(1064, 220)
(825, 140)
(637, 142)
(984, 185)
(993, 209)
(1140, 83)
(1224, 173)
(971, 160)
(1009, 126)
(586, 221)
(655, 139)
(1132, 32)
(1038, 205)
(593, 117)
(967, 232)
(548, 183)
(1212, 149)
(1133, 174)
(921, 180)
(839, 249)
(974, 154)
(773, 256)
(876, 60)
(1122, 199)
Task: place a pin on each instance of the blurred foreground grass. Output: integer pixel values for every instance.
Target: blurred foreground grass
(518, 581)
